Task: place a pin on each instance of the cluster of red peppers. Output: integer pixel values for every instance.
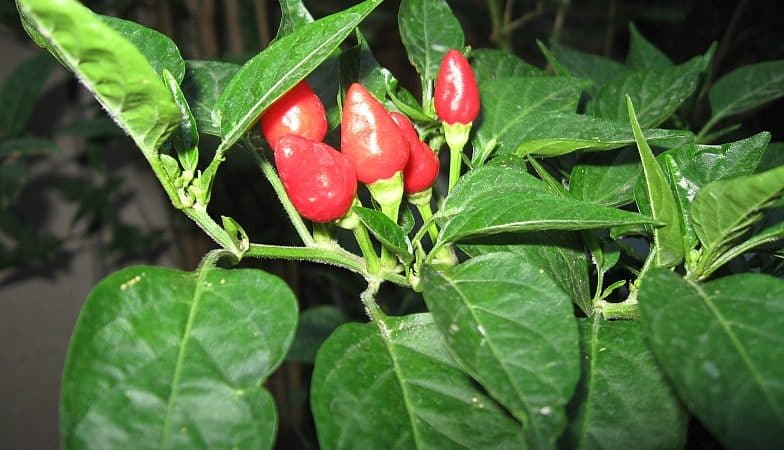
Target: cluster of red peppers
(377, 147)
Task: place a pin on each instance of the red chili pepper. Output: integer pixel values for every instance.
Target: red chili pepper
(456, 92)
(319, 180)
(421, 171)
(369, 137)
(299, 112)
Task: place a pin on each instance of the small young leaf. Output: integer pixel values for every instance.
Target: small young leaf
(725, 210)
(623, 399)
(746, 87)
(644, 55)
(273, 72)
(491, 64)
(658, 93)
(160, 51)
(186, 138)
(720, 345)
(395, 385)
(428, 29)
(122, 79)
(203, 83)
(152, 347)
(386, 231)
(514, 329)
(668, 240)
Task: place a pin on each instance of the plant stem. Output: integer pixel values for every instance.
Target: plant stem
(371, 258)
(628, 310)
(335, 256)
(198, 213)
(372, 309)
(294, 217)
(427, 215)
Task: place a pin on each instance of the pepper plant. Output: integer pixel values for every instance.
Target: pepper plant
(595, 273)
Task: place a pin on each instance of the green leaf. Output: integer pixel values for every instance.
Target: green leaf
(111, 67)
(398, 387)
(606, 178)
(293, 15)
(167, 359)
(515, 332)
(557, 134)
(746, 87)
(186, 138)
(720, 344)
(773, 157)
(725, 210)
(509, 105)
(668, 240)
(491, 64)
(428, 29)
(623, 400)
(480, 205)
(203, 83)
(596, 68)
(28, 146)
(161, 52)
(19, 92)
(560, 254)
(387, 232)
(13, 176)
(358, 64)
(690, 167)
(273, 72)
(659, 93)
(644, 55)
(315, 326)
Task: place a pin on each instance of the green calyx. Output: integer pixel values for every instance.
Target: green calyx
(388, 193)
(456, 135)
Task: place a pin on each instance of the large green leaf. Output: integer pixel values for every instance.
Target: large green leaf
(644, 55)
(515, 332)
(396, 386)
(13, 177)
(725, 210)
(483, 204)
(657, 93)
(510, 107)
(623, 400)
(167, 359)
(19, 92)
(203, 83)
(490, 64)
(746, 87)
(720, 344)
(560, 254)
(606, 178)
(668, 240)
(273, 72)
(596, 68)
(110, 66)
(556, 134)
(428, 29)
(160, 51)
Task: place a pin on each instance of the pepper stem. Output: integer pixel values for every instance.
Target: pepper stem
(422, 202)
(456, 135)
(368, 252)
(388, 194)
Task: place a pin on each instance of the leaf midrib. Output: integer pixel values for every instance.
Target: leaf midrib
(177, 375)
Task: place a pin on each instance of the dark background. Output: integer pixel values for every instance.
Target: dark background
(125, 218)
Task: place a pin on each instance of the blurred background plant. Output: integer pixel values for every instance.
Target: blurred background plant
(60, 154)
